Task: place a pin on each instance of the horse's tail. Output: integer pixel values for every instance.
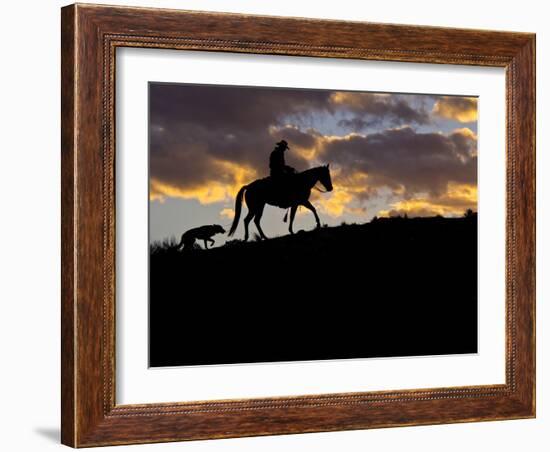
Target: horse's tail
(238, 208)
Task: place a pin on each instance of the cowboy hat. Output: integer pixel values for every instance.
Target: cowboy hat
(283, 144)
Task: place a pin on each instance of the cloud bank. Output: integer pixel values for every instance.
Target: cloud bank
(408, 153)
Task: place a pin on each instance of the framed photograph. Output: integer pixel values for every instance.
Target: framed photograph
(281, 225)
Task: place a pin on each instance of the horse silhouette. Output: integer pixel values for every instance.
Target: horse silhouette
(288, 191)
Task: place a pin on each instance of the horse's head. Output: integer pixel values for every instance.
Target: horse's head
(324, 177)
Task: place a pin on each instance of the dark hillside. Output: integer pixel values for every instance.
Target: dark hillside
(392, 287)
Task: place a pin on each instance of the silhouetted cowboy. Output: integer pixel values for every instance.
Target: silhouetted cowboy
(277, 165)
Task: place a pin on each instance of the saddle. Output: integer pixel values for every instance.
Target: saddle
(282, 189)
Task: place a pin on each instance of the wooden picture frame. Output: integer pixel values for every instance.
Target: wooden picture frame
(90, 36)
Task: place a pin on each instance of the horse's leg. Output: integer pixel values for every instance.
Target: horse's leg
(310, 206)
(205, 244)
(247, 220)
(257, 218)
(250, 197)
(293, 210)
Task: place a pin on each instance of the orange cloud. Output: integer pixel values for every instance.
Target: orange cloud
(462, 109)
(457, 199)
(210, 191)
(227, 213)
(355, 99)
(344, 198)
(467, 132)
(336, 204)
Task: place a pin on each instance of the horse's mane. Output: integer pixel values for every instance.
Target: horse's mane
(312, 169)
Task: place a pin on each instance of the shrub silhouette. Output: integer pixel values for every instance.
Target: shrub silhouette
(163, 246)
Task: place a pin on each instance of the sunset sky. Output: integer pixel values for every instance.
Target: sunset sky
(388, 153)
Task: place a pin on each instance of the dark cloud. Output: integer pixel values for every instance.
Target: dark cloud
(230, 109)
(371, 109)
(403, 159)
(195, 125)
